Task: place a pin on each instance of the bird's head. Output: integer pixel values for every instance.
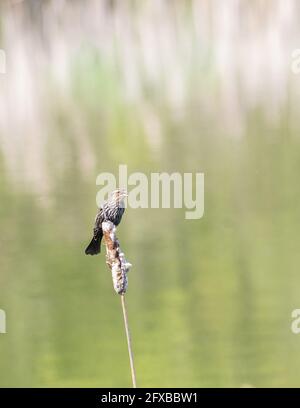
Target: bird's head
(118, 196)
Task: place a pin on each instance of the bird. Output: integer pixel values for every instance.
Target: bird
(112, 210)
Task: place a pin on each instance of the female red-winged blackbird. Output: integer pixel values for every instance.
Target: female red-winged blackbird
(112, 210)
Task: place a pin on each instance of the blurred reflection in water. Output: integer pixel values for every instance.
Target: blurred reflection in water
(190, 87)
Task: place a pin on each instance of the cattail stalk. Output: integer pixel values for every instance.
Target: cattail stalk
(128, 341)
(119, 267)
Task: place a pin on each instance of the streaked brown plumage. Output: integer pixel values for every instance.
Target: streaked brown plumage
(112, 210)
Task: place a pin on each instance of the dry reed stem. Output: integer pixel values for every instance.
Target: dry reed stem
(119, 267)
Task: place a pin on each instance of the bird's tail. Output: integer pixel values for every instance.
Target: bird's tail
(94, 246)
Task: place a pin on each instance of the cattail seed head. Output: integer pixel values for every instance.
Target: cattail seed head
(115, 258)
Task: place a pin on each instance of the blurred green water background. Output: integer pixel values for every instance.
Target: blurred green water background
(185, 86)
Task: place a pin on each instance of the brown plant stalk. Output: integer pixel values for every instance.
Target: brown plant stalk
(119, 267)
